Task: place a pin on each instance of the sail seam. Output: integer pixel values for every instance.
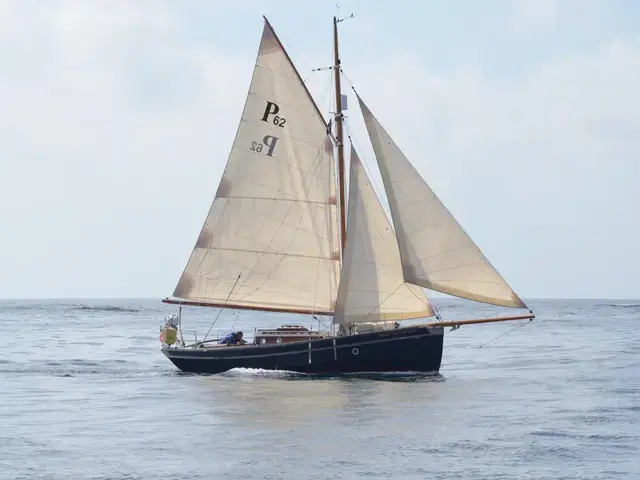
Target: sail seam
(280, 200)
(428, 257)
(267, 277)
(265, 218)
(261, 252)
(289, 196)
(435, 282)
(457, 267)
(242, 297)
(266, 245)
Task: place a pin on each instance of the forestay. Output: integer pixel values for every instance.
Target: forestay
(436, 252)
(372, 288)
(270, 239)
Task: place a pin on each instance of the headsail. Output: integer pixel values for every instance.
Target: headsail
(436, 252)
(270, 239)
(372, 288)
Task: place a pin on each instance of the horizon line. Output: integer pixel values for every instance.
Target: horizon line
(159, 300)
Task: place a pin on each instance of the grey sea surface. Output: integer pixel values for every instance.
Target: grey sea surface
(86, 394)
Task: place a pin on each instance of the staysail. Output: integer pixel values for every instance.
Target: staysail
(436, 252)
(270, 239)
(372, 288)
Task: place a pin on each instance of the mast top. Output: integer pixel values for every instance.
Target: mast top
(338, 20)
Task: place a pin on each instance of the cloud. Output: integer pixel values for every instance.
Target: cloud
(571, 112)
(116, 126)
(533, 15)
(109, 120)
(541, 169)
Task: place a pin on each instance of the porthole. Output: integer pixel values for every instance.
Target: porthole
(263, 341)
(278, 340)
(355, 351)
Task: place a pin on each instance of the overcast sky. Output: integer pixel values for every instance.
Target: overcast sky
(118, 116)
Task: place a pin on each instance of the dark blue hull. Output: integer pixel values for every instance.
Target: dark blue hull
(411, 349)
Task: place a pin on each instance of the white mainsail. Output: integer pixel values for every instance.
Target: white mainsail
(372, 288)
(436, 252)
(270, 239)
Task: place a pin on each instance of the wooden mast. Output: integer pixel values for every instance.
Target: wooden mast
(338, 117)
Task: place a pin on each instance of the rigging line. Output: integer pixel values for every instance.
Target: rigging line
(332, 97)
(290, 50)
(379, 193)
(235, 319)
(325, 90)
(353, 87)
(384, 300)
(294, 53)
(222, 308)
(429, 302)
(325, 95)
(507, 332)
(433, 305)
(380, 197)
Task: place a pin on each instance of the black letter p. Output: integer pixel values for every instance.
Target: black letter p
(271, 109)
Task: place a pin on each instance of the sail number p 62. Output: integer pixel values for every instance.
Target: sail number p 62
(272, 109)
(268, 143)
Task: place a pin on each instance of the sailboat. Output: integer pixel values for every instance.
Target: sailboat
(282, 236)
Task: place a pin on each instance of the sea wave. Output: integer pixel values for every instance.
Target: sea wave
(618, 305)
(104, 308)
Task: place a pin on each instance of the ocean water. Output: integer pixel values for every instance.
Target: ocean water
(86, 394)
